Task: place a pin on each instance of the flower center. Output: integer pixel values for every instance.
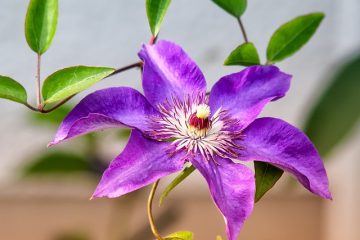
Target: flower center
(200, 119)
(189, 124)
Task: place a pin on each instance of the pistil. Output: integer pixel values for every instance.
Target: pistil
(200, 119)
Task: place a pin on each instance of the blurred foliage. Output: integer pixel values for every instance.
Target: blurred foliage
(53, 118)
(57, 163)
(124, 133)
(87, 159)
(72, 236)
(337, 111)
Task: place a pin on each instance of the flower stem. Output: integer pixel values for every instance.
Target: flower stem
(149, 211)
(242, 29)
(38, 91)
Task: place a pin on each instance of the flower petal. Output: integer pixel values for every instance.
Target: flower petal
(142, 162)
(169, 71)
(232, 188)
(245, 94)
(112, 107)
(274, 141)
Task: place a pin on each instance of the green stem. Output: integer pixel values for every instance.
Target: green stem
(149, 211)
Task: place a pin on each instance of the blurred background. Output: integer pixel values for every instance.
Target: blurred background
(44, 193)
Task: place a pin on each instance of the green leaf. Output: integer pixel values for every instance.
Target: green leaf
(337, 110)
(69, 81)
(156, 10)
(291, 36)
(57, 163)
(184, 174)
(266, 175)
(234, 7)
(40, 24)
(12, 90)
(183, 235)
(244, 55)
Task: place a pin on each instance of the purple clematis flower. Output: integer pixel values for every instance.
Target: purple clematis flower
(212, 133)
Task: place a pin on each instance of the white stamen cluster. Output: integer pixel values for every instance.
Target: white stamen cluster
(217, 139)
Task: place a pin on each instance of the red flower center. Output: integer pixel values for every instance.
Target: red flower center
(199, 123)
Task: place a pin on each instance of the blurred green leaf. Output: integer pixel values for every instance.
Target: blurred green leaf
(337, 111)
(234, 7)
(291, 36)
(184, 174)
(72, 236)
(57, 163)
(69, 81)
(40, 24)
(244, 55)
(124, 133)
(156, 10)
(12, 90)
(266, 175)
(183, 235)
(54, 118)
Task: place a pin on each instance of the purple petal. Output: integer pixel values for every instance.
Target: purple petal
(112, 107)
(274, 141)
(232, 188)
(169, 71)
(142, 162)
(245, 94)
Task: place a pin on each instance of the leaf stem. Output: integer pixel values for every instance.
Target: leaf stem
(127, 67)
(38, 81)
(242, 28)
(31, 107)
(57, 105)
(153, 39)
(149, 211)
